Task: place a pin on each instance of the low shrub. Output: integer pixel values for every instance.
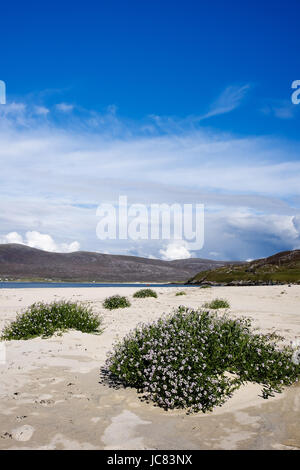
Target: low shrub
(42, 319)
(217, 303)
(116, 301)
(195, 360)
(142, 293)
(180, 293)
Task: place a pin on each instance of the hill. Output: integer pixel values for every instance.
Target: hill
(281, 268)
(23, 262)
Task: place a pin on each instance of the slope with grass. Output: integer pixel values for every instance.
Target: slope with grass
(281, 268)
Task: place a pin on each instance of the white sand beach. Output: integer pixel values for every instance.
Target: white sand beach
(51, 397)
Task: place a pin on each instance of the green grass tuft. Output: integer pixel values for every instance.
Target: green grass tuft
(217, 303)
(42, 319)
(142, 293)
(180, 293)
(116, 301)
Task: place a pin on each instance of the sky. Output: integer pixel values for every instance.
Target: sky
(163, 102)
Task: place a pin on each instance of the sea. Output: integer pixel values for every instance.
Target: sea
(52, 285)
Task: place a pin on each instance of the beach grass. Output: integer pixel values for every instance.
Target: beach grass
(116, 301)
(142, 293)
(216, 304)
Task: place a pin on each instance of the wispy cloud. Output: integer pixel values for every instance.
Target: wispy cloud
(41, 110)
(65, 107)
(52, 179)
(281, 109)
(230, 99)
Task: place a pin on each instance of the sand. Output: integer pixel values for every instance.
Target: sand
(51, 396)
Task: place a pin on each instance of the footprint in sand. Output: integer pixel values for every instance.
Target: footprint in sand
(24, 433)
(124, 432)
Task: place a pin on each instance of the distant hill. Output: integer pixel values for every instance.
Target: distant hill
(23, 262)
(281, 268)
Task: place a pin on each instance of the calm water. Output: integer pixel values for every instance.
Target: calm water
(31, 285)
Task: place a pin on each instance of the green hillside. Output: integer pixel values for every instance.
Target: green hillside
(282, 268)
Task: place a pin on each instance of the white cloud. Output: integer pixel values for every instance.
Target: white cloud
(214, 253)
(296, 223)
(175, 251)
(13, 108)
(41, 241)
(281, 109)
(12, 237)
(41, 110)
(70, 248)
(51, 182)
(230, 99)
(65, 107)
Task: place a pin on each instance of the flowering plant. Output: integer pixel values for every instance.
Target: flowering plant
(41, 319)
(195, 359)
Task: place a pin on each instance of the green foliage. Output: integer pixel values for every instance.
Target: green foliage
(180, 293)
(142, 293)
(42, 319)
(282, 272)
(116, 301)
(216, 304)
(194, 360)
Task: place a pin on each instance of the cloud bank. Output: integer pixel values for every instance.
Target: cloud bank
(41, 241)
(54, 175)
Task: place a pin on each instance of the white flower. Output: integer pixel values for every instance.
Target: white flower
(296, 354)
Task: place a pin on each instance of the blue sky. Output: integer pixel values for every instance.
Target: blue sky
(163, 101)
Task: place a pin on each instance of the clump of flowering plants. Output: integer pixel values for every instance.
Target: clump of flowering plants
(42, 319)
(195, 359)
